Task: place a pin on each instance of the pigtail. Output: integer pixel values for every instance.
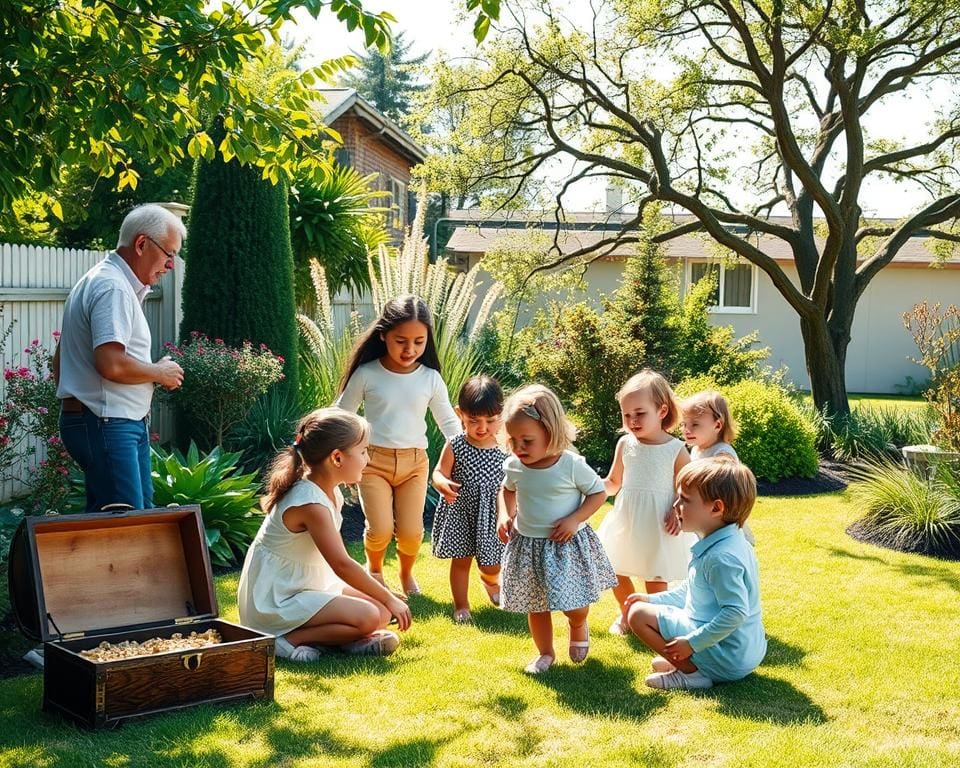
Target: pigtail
(285, 470)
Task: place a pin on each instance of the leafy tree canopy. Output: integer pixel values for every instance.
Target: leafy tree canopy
(97, 83)
(725, 112)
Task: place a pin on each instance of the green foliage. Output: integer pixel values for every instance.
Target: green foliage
(96, 84)
(93, 208)
(228, 500)
(387, 80)
(332, 220)
(220, 383)
(586, 370)
(702, 348)
(267, 428)
(874, 433)
(238, 284)
(774, 437)
(909, 512)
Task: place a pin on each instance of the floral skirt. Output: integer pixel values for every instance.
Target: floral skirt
(543, 575)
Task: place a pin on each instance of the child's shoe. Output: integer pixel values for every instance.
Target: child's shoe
(660, 664)
(580, 648)
(462, 616)
(539, 665)
(380, 643)
(286, 650)
(679, 681)
(619, 627)
(493, 589)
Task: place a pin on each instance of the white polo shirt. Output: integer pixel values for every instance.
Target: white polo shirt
(106, 305)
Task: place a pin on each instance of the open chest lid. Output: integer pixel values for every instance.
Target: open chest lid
(83, 575)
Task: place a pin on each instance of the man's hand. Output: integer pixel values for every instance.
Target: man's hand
(169, 374)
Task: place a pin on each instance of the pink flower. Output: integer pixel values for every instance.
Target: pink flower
(8, 373)
(53, 440)
(280, 359)
(43, 412)
(35, 343)
(218, 341)
(154, 437)
(63, 471)
(56, 334)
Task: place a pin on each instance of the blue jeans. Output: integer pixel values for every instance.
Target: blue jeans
(114, 455)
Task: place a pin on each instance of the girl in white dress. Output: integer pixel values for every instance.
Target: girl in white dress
(298, 581)
(641, 533)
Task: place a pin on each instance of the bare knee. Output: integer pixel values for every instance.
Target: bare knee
(642, 616)
(368, 619)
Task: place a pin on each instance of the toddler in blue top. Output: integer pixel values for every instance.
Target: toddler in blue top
(708, 629)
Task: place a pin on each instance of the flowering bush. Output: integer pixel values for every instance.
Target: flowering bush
(31, 410)
(220, 382)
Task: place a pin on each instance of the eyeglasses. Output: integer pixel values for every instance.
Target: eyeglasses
(171, 256)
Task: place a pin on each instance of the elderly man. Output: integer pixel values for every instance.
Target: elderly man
(105, 377)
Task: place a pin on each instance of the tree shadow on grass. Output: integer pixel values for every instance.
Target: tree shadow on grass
(765, 699)
(930, 570)
(490, 619)
(595, 688)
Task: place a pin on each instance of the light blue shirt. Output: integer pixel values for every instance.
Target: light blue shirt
(721, 597)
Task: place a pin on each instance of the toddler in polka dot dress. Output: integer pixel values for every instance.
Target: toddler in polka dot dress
(468, 478)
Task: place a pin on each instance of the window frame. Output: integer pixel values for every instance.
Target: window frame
(722, 309)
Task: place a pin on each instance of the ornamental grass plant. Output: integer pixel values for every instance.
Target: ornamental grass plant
(907, 511)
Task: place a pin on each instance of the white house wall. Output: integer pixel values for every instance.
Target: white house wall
(878, 358)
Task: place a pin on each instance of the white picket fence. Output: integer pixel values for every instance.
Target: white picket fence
(34, 283)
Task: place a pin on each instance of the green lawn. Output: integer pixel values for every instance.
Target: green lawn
(909, 402)
(862, 671)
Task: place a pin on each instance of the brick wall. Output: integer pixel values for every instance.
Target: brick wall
(369, 152)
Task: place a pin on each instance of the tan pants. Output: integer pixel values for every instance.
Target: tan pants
(392, 492)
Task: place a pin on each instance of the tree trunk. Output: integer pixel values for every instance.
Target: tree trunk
(826, 361)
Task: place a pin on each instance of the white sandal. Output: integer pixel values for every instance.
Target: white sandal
(539, 665)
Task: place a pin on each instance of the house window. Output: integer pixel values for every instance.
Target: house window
(736, 285)
(396, 204)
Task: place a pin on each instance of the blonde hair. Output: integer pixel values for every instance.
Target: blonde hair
(319, 433)
(712, 404)
(539, 403)
(658, 388)
(723, 478)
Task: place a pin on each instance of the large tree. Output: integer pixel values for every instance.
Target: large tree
(728, 111)
(388, 80)
(99, 83)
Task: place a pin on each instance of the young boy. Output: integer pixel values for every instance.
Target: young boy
(708, 628)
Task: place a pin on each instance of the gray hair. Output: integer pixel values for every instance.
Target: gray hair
(151, 220)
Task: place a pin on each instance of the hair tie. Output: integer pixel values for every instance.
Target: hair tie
(296, 441)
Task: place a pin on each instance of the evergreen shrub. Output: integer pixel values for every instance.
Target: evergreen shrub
(774, 437)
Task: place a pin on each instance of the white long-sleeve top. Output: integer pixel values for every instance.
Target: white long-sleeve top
(396, 404)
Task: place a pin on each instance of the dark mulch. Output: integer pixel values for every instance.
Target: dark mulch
(862, 530)
(830, 477)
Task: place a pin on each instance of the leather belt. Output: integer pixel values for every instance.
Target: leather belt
(71, 405)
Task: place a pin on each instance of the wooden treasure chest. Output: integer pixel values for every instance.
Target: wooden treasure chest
(77, 581)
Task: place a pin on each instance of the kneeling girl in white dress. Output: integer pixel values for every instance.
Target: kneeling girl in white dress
(553, 560)
(298, 580)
